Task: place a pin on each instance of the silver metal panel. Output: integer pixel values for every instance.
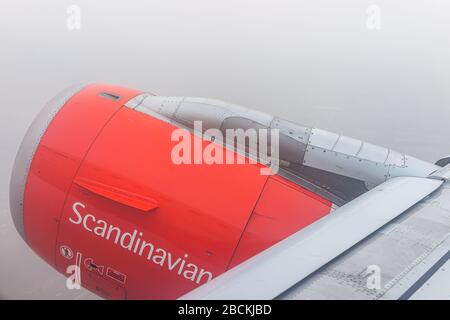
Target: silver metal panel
(260, 117)
(437, 287)
(395, 158)
(292, 130)
(186, 110)
(208, 102)
(291, 150)
(136, 101)
(343, 188)
(238, 122)
(271, 272)
(211, 116)
(348, 145)
(342, 164)
(27, 150)
(166, 106)
(423, 268)
(404, 251)
(237, 110)
(323, 139)
(413, 167)
(373, 153)
(442, 173)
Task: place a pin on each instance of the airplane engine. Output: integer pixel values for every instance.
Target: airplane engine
(96, 192)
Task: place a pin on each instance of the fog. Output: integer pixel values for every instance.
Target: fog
(317, 63)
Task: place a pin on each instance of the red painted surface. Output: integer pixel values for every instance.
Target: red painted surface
(283, 209)
(103, 188)
(57, 158)
(201, 212)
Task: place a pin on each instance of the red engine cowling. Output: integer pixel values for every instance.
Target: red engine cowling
(94, 189)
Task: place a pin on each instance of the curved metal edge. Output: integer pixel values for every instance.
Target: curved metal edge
(26, 152)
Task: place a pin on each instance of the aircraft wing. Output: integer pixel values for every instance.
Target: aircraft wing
(398, 232)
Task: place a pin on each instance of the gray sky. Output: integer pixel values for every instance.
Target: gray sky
(314, 62)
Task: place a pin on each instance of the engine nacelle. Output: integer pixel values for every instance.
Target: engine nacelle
(95, 190)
